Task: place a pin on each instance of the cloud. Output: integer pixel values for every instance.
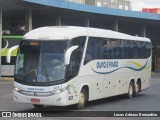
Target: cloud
(137, 5)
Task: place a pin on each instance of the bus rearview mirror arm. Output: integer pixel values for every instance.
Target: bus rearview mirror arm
(68, 54)
(8, 58)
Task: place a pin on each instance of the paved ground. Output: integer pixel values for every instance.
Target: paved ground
(147, 101)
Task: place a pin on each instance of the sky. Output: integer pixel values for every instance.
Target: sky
(137, 5)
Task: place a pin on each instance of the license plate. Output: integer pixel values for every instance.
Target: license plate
(35, 100)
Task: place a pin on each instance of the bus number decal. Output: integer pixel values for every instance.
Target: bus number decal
(70, 98)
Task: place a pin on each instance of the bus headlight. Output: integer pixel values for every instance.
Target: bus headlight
(59, 91)
(17, 89)
(56, 92)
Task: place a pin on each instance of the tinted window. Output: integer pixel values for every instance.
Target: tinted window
(115, 49)
(135, 49)
(75, 61)
(148, 49)
(142, 49)
(103, 48)
(107, 49)
(96, 49)
(126, 49)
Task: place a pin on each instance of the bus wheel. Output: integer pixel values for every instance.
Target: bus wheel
(82, 99)
(137, 89)
(130, 90)
(39, 107)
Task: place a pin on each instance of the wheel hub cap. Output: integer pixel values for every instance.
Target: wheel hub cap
(81, 99)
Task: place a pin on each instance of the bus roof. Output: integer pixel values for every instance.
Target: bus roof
(70, 32)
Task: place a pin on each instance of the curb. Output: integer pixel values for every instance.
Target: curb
(153, 73)
(6, 78)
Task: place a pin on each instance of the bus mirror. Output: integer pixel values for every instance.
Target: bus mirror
(8, 58)
(68, 54)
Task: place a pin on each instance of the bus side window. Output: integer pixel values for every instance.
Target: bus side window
(138, 46)
(100, 48)
(106, 49)
(96, 49)
(115, 49)
(135, 49)
(118, 50)
(76, 57)
(127, 50)
(142, 50)
(91, 52)
(123, 49)
(147, 49)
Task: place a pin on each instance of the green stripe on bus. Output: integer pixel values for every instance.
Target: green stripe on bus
(4, 53)
(12, 37)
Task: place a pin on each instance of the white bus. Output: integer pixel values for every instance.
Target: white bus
(67, 65)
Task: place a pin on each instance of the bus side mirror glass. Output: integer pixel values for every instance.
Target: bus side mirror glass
(68, 54)
(8, 58)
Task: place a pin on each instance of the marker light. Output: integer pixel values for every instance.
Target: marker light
(34, 43)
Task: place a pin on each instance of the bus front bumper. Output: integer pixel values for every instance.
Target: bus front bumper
(54, 100)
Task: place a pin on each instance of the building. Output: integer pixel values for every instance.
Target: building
(151, 10)
(76, 1)
(20, 16)
(117, 4)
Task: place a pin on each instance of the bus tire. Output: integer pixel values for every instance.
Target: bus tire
(137, 89)
(130, 90)
(82, 99)
(39, 107)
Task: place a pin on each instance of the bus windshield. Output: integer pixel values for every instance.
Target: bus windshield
(41, 61)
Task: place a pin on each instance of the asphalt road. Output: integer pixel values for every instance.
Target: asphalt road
(149, 100)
